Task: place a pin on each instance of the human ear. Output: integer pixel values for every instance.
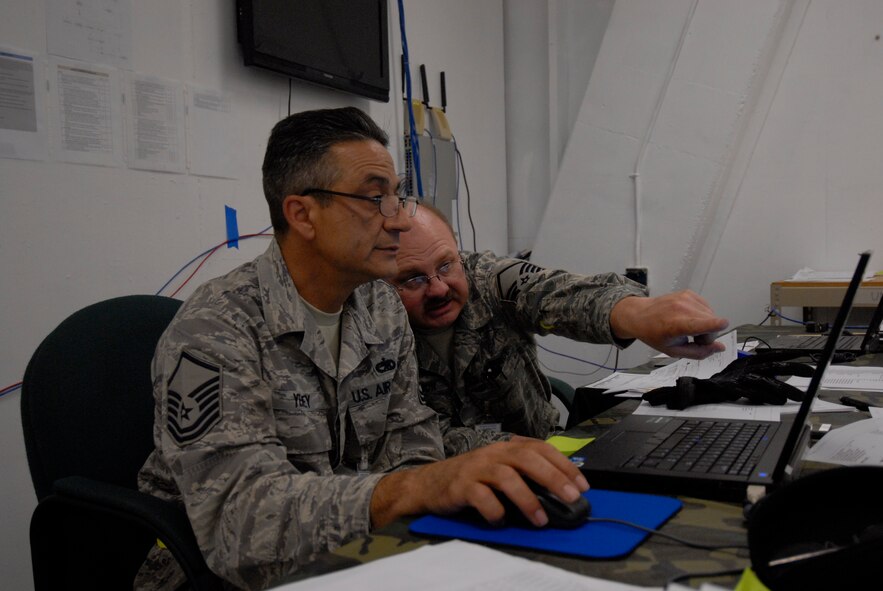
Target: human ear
(297, 210)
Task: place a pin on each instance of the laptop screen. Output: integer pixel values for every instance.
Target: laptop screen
(801, 420)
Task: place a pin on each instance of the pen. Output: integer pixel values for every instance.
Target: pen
(859, 404)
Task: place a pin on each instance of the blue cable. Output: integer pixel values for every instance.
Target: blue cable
(415, 147)
(9, 390)
(196, 258)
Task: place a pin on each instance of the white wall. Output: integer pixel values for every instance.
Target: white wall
(550, 52)
(756, 133)
(72, 234)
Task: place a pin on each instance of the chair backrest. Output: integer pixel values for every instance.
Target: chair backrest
(87, 399)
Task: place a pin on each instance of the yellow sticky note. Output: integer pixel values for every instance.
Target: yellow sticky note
(750, 582)
(568, 445)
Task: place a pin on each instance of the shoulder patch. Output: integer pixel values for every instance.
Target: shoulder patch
(193, 403)
(512, 277)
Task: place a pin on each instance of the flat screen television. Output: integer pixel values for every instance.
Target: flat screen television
(341, 44)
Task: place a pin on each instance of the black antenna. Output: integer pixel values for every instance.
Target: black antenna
(444, 94)
(425, 85)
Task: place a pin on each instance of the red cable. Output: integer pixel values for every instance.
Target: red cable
(210, 253)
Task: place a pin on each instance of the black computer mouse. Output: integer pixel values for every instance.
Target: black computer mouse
(562, 515)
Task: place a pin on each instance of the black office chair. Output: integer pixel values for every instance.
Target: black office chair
(565, 393)
(87, 416)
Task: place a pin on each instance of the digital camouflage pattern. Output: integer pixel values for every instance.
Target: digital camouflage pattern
(495, 376)
(273, 453)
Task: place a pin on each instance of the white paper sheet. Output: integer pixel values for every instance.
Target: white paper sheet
(626, 384)
(740, 411)
(86, 113)
(856, 444)
(155, 123)
(212, 139)
(22, 106)
(98, 31)
(846, 377)
(456, 566)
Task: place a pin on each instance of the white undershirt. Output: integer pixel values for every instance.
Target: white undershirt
(329, 326)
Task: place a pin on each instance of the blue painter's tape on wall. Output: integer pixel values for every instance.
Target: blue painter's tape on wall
(232, 227)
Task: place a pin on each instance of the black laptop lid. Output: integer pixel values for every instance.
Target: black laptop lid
(873, 332)
(800, 421)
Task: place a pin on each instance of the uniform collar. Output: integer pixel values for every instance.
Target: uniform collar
(284, 310)
(476, 313)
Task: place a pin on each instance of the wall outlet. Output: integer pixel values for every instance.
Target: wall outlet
(638, 274)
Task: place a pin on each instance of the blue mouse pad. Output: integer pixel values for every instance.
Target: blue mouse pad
(592, 540)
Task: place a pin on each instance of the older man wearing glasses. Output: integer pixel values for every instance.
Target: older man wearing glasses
(474, 316)
(288, 418)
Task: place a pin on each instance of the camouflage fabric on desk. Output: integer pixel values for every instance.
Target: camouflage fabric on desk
(652, 564)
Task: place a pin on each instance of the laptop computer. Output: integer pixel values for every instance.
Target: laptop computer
(803, 343)
(661, 454)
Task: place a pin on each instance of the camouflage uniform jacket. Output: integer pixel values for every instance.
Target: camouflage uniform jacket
(273, 458)
(495, 376)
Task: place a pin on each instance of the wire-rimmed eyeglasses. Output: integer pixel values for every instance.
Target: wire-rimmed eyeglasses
(388, 204)
(421, 282)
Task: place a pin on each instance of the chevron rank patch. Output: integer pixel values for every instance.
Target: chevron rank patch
(512, 278)
(194, 399)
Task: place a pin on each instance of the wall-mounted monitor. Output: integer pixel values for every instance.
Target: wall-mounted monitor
(340, 44)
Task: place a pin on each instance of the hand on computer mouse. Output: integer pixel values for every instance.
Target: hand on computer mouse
(561, 514)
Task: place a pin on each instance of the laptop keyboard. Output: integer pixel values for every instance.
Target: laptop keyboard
(817, 342)
(712, 447)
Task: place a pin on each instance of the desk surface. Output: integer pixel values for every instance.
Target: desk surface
(655, 561)
(821, 294)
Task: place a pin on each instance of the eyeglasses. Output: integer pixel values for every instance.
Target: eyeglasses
(388, 204)
(420, 282)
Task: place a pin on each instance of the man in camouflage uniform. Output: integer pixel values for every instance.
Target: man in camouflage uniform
(474, 316)
(288, 418)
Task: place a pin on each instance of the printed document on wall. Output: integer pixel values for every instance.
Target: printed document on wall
(22, 106)
(155, 114)
(96, 32)
(212, 139)
(85, 119)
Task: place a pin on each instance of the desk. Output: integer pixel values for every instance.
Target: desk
(655, 561)
(651, 564)
(821, 294)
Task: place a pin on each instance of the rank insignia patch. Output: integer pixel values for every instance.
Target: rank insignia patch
(511, 279)
(194, 399)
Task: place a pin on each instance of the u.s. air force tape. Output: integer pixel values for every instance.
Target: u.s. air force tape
(512, 278)
(194, 399)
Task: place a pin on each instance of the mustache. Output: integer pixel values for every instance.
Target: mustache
(438, 302)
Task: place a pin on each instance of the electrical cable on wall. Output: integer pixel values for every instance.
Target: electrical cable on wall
(412, 130)
(10, 389)
(468, 194)
(203, 255)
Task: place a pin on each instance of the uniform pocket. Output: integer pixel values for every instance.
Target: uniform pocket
(304, 432)
(369, 420)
